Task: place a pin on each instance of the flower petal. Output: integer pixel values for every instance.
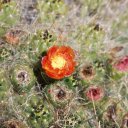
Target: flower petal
(52, 51)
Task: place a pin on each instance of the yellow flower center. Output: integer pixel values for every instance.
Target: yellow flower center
(58, 62)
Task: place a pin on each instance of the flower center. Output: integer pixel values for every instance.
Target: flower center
(58, 62)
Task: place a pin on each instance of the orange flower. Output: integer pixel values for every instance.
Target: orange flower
(59, 62)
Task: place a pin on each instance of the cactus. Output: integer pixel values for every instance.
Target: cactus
(4, 85)
(5, 52)
(22, 78)
(59, 94)
(38, 112)
(63, 64)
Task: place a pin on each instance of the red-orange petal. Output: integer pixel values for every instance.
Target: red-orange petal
(70, 68)
(52, 51)
(56, 75)
(66, 50)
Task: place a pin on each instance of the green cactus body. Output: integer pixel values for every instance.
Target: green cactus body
(38, 44)
(81, 114)
(38, 112)
(3, 85)
(68, 118)
(59, 94)
(5, 52)
(22, 78)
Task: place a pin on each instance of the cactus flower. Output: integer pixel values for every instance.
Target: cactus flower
(59, 62)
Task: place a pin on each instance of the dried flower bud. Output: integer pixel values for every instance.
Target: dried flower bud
(59, 94)
(13, 36)
(122, 64)
(87, 72)
(94, 93)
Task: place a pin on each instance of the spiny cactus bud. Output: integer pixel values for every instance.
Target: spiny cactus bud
(59, 95)
(22, 78)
